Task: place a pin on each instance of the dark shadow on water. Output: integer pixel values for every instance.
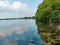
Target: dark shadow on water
(49, 32)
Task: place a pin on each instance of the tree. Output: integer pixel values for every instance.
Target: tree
(48, 10)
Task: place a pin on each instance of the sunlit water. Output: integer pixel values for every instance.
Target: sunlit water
(19, 32)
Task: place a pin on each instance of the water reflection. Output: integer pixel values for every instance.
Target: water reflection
(19, 32)
(50, 33)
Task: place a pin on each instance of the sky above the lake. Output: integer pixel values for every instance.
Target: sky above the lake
(18, 8)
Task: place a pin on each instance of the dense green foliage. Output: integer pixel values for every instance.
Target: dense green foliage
(48, 11)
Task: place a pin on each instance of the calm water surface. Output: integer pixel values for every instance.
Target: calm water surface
(19, 32)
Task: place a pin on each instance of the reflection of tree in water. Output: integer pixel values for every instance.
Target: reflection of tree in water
(50, 33)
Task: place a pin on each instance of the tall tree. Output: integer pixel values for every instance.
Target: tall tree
(48, 10)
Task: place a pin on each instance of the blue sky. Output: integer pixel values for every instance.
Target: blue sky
(18, 8)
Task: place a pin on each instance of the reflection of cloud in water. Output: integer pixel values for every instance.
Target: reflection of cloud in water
(11, 38)
(16, 30)
(10, 42)
(31, 44)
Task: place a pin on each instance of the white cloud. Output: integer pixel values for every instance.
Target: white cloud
(17, 5)
(4, 4)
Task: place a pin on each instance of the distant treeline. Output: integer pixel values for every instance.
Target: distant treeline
(29, 17)
(18, 18)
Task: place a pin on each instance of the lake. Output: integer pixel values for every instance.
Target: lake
(19, 32)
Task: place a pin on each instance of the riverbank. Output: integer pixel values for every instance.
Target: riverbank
(17, 18)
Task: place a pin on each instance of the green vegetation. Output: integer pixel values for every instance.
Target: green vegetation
(48, 11)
